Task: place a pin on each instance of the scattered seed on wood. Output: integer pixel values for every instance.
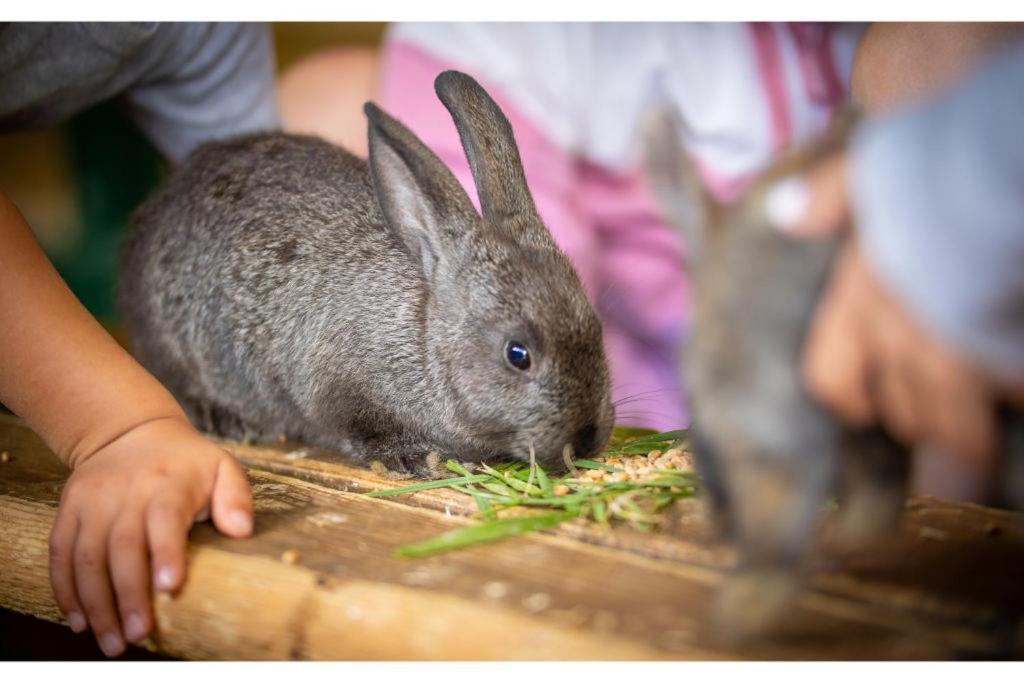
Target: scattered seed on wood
(5, 457)
(328, 518)
(932, 533)
(495, 590)
(419, 577)
(290, 556)
(605, 621)
(574, 617)
(537, 602)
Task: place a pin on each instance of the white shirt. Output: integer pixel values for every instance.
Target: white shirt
(589, 85)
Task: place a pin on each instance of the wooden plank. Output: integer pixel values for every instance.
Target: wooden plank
(575, 593)
(949, 561)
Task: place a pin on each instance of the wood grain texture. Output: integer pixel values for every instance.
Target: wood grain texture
(947, 586)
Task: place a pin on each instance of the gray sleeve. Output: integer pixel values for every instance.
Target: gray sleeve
(206, 81)
(938, 191)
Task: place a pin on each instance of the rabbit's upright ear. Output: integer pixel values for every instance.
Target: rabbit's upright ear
(675, 181)
(490, 147)
(423, 203)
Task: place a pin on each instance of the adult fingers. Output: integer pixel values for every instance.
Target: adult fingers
(897, 388)
(962, 416)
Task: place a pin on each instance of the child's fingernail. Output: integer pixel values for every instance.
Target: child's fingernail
(786, 202)
(134, 628)
(77, 622)
(240, 521)
(164, 579)
(111, 644)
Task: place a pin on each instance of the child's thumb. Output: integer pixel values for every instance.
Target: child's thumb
(231, 502)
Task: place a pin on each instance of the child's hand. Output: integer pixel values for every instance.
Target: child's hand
(141, 474)
(123, 524)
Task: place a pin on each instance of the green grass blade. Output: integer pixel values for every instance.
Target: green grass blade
(427, 485)
(591, 465)
(620, 434)
(500, 476)
(484, 506)
(661, 437)
(500, 489)
(600, 512)
(496, 497)
(522, 487)
(544, 482)
(482, 533)
(457, 468)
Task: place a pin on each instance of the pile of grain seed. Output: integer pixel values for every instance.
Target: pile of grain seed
(638, 467)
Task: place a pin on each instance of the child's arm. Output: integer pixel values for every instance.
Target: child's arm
(140, 473)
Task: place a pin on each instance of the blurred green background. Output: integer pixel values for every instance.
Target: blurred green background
(77, 183)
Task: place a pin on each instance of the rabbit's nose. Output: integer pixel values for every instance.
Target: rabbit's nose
(583, 441)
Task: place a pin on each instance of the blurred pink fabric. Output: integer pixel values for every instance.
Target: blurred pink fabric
(607, 224)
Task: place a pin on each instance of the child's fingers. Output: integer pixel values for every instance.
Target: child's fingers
(93, 585)
(232, 500)
(62, 574)
(168, 520)
(129, 573)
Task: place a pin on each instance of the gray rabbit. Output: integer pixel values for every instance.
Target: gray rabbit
(278, 284)
(769, 454)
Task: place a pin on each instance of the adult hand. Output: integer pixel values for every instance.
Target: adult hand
(866, 356)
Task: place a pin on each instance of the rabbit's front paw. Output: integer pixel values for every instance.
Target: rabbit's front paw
(400, 459)
(219, 421)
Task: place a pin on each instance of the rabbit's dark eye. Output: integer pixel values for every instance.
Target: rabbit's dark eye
(518, 355)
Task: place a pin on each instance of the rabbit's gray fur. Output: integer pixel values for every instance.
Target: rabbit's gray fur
(769, 454)
(279, 285)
